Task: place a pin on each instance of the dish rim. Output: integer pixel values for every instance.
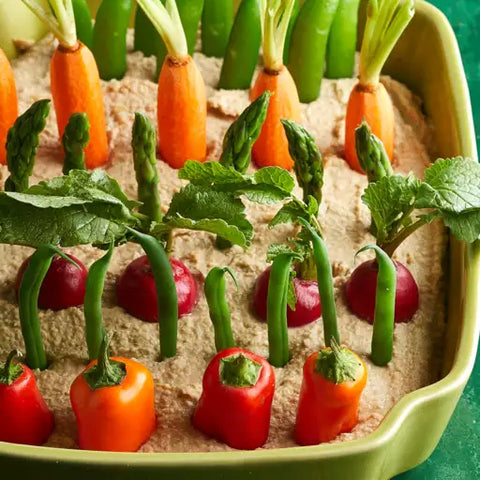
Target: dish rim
(392, 422)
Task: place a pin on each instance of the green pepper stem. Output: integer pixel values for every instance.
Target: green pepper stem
(239, 371)
(384, 319)
(218, 308)
(166, 19)
(386, 21)
(275, 18)
(60, 19)
(92, 305)
(166, 292)
(11, 371)
(325, 285)
(28, 303)
(277, 299)
(106, 372)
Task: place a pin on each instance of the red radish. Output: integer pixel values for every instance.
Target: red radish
(361, 287)
(63, 286)
(307, 308)
(137, 295)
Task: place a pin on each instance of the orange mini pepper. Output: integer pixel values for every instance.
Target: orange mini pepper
(333, 381)
(113, 401)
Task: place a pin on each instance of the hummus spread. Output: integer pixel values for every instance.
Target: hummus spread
(345, 221)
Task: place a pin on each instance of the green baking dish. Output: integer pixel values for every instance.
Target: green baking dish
(427, 59)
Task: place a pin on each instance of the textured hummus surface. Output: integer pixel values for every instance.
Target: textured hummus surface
(418, 344)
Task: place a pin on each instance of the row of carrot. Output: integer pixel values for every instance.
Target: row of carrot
(181, 101)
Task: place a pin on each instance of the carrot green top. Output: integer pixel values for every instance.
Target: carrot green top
(275, 17)
(386, 21)
(166, 20)
(59, 18)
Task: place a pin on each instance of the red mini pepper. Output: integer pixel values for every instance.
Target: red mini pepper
(333, 381)
(236, 401)
(25, 416)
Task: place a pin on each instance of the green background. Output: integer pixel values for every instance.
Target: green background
(458, 455)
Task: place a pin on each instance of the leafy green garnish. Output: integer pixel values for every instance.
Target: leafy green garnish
(77, 209)
(197, 207)
(451, 191)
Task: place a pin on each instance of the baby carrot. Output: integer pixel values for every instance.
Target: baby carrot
(369, 100)
(217, 22)
(271, 148)
(74, 79)
(342, 41)
(181, 103)
(8, 103)
(308, 45)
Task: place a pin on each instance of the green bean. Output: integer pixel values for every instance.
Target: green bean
(384, 319)
(218, 307)
(279, 351)
(144, 146)
(166, 292)
(28, 303)
(342, 41)
(190, 12)
(74, 140)
(308, 46)
(110, 38)
(147, 40)
(288, 37)
(217, 20)
(241, 56)
(83, 22)
(22, 145)
(92, 305)
(308, 164)
(325, 285)
(371, 154)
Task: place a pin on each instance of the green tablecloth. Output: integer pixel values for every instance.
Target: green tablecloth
(458, 455)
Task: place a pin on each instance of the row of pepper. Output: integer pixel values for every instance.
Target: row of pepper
(113, 398)
(181, 88)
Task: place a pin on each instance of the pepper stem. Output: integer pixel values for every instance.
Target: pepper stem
(239, 371)
(386, 21)
(10, 372)
(106, 372)
(60, 19)
(275, 18)
(337, 364)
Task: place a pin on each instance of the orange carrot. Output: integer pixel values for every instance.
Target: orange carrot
(271, 148)
(74, 78)
(182, 102)
(8, 103)
(369, 100)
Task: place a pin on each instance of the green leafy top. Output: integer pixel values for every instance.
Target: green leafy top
(76, 209)
(451, 191)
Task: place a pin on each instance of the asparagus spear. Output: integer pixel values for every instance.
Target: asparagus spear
(308, 165)
(22, 145)
(145, 163)
(75, 139)
(371, 154)
(242, 134)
